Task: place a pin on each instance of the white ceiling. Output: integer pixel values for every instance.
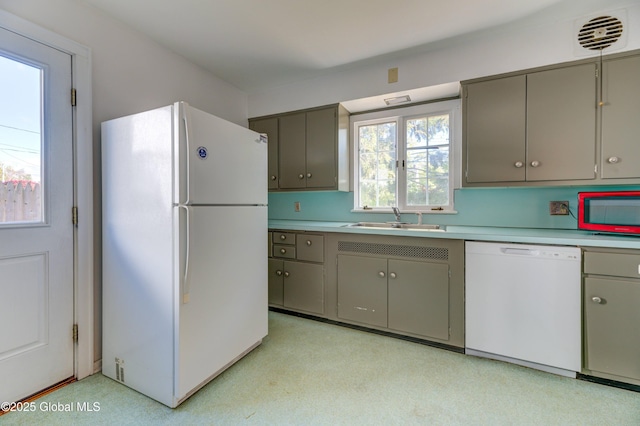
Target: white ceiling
(256, 44)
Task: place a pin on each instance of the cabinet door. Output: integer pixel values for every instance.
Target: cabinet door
(276, 275)
(362, 289)
(419, 298)
(611, 326)
(620, 123)
(495, 130)
(561, 123)
(292, 151)
(310, 247)
(321, 148)
(270, 127)
(304, 287)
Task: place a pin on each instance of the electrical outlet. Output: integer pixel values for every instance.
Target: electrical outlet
(296, 206)
(558, 208)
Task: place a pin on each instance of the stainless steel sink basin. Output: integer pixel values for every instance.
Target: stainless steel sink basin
(397, 225)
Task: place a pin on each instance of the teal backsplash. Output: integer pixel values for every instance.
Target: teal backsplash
(502, 207)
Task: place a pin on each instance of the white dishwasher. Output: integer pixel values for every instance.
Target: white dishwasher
(522, 305)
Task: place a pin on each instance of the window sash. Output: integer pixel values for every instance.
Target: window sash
(432, 147)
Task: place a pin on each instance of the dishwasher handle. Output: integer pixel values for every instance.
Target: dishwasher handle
(519, 251)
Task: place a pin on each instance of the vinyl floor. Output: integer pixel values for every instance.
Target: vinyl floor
(312, 373)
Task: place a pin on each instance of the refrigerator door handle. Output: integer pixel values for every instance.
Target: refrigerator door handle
(186, 287)
(186, 119)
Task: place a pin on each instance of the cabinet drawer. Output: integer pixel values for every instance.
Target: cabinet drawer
(310, 247)
(284, 238)
(613, 264)
(284, 252)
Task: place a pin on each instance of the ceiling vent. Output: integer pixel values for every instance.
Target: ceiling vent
(597, 33)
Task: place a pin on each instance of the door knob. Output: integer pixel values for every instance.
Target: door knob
(273, 177)
(518, 164)
(309, 175)
(381, 274)
(535, 163)
(309, 242)
(279, 273)
(613, 160)
(393, 275)
(300, 176)
(597, 300)
(286, 274)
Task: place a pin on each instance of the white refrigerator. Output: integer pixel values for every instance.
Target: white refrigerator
(184, 216)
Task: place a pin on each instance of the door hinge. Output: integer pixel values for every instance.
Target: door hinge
(74, 333)
(74, 215)
(73, 97)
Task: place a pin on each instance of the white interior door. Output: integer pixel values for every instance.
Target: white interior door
(36, 233)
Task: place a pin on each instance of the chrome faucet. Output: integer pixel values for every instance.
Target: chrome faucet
(396, 212)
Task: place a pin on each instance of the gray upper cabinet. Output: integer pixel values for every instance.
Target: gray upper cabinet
(292, 153)
(310, 148)
(534, 127)
(495, 128)
(620, 124)
(270, 127)
(321, 156)
(561, 124)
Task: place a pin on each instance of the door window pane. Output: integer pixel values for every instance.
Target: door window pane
(20, 142)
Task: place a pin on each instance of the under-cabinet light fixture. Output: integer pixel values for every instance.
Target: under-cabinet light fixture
(397, 100)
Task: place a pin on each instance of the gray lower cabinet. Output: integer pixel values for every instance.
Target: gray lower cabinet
(362, 289)
(303, 287)
(296, 271)
(409, 286)
(611, 314)
(276, 282)
(419, 298)
(401, 295)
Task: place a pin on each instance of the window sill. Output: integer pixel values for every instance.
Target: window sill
(405, 211)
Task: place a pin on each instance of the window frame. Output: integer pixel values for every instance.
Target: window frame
(401, 116)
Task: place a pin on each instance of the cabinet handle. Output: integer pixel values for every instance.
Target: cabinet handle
(597, 300)
(535, 163)
(286, 274)
(613, 160)
(309, 243)
(273, 177)
(279, 273)
(309, 175)
(518, 164)
(283, 237)
(393, 275)
(381, 274)
(283, 251)
(300, 176)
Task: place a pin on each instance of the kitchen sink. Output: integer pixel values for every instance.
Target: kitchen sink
(397, 225)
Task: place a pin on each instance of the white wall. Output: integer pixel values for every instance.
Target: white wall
(544, 39)
(130, 74)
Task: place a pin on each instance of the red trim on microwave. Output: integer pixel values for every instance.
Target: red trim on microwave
(619, 228)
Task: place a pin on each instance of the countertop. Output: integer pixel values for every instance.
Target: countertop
(475, 233)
